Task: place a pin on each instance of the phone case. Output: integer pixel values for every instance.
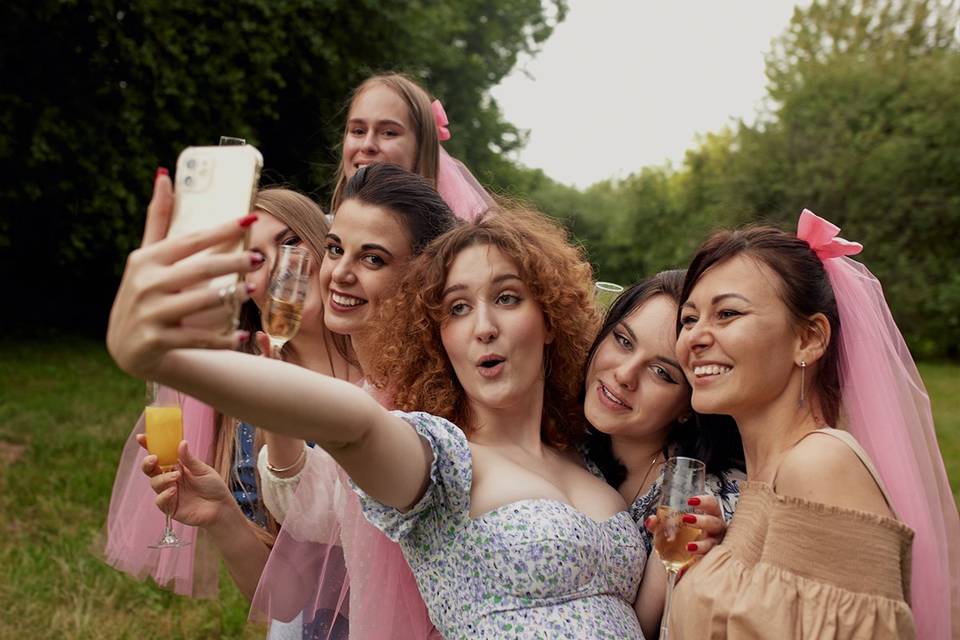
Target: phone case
(214, 185)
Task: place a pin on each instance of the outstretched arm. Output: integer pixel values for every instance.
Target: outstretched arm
(381, 452)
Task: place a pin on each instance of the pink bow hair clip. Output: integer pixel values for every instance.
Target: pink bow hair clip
(440, 117)
(821, 235)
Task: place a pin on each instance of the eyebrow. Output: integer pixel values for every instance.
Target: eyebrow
(386, 121)
(368, 246)
(633, 336)
(497, 280)
(719, 298)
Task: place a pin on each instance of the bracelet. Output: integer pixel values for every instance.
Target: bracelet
(300, 458)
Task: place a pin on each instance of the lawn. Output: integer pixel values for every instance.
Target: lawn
(65, 411)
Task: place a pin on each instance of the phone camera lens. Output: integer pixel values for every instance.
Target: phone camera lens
(191, 163)
(188, 180)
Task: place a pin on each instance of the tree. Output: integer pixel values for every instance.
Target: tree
(99, 93)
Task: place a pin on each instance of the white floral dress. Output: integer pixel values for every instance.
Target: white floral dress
(531, 569)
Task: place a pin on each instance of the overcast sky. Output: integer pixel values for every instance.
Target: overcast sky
(622, 84)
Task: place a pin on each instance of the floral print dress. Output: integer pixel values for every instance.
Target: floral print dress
(531, 569)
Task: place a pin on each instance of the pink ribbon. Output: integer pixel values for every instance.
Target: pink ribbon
(821, 235)
(440, 117)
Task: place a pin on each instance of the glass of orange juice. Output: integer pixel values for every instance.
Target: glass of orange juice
(164, 431)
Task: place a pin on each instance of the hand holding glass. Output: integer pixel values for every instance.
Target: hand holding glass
(683, 478)
(164, 431)
(285, 296)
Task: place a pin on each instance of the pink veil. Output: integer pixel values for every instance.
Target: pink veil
(889, 413)
(134, 521)
(457, 186)
(330, 566)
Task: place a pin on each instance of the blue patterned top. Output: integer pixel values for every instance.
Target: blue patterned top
(530, 569)
(244, 480)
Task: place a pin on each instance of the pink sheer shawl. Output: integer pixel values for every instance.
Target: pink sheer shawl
(460, 190)
(134, 521)
(330, 564)
(888, 410)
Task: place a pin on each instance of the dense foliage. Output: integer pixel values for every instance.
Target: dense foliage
(97, 94)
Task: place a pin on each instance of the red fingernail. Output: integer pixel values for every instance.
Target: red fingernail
(256, 257)
(161, 171)
(689, 519)
(691, 546)
(646, 523)
(246, 221)
(243, 336)
(250, 287)
(694, 501)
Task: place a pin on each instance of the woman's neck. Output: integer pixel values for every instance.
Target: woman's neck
(768, 432)
(518, 425)
(636, 452)
(316, 351)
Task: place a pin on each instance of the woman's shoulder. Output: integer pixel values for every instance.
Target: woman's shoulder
(826, 467)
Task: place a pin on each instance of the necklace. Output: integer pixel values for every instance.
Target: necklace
(646, 475)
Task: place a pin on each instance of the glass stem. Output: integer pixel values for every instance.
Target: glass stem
(665, 620)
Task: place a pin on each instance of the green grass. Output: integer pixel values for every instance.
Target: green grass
(72, 409)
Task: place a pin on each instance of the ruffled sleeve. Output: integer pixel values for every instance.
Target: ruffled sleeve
(446, 502)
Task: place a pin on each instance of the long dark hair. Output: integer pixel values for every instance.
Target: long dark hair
(712, 439)
(804, 288)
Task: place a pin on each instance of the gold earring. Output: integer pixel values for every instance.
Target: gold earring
(803, 368)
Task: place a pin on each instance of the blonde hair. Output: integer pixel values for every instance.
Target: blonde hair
(417, 100)
(307, 220)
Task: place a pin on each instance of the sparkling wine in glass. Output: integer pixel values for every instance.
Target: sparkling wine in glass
(285, 296)
(164, 431)
(606, 293)
(683, 478)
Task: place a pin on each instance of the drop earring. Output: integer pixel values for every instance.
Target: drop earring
(803, 368)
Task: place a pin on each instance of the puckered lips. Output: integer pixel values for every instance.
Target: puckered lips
(610, 400)
(708, 372)
(490, 365)
(345, 303)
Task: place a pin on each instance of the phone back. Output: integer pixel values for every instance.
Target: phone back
(214, 185)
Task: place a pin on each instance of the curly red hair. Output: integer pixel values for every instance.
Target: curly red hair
(411, 362)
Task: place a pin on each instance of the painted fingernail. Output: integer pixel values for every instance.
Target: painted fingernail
(646, 523)
(243, 336)
(691, 546)
(161, 171)
(689, 519)
(246, 221)
(250, 288)
(694, 501)
(256, 258)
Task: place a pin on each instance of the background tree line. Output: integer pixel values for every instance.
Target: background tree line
(861, 125)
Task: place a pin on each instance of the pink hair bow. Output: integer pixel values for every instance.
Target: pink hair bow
(821, 235)
(440, 117)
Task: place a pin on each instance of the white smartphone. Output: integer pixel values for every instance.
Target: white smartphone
(213, 185)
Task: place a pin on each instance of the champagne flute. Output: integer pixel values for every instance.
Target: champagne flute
(285, 296)
(164, 431)
(683, 478)
(606, 293)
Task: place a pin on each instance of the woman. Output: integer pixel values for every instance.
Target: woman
(386, 218)
(501, 317)
(790, 338)
(286, 217)
(391, 119)
(637, 401)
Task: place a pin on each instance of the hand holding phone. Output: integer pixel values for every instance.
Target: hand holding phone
(214, 185)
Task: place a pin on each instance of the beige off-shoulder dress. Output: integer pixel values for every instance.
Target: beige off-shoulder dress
(791, 568)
